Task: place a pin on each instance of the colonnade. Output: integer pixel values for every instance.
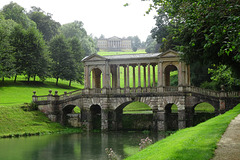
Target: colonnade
(114, 44)
(146, 81)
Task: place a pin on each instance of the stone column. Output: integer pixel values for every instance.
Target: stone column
(188, 75)
(104, 119)
(161, 120)
(118, 76)
(144, 75)
(154, 76)
(149, 78)
(181, 119)
(134, 76)
(127, 76)
(86, 119)
(160, 74)
(180, 74)
(139, 75)
(86, 78)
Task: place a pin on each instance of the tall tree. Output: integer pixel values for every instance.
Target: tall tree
(205, 30)
(62, 61)
(45, 23)
(76, 29)
(18, 14)
(7, 59)
(136, 42)
(78, 54)
(30, 52)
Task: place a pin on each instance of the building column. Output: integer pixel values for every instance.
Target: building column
(188, 75)
(144, 75)
(104, 119)
(127, 76)
(181, 119)
(134, 86)
(154, 76)
(180, 74)
(160, 74)
(161, 120)
(86, 78)
(149, 78)
(139, 75)
(118, 76)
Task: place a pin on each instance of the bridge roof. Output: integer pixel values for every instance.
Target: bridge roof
(132, 56)
(143, 56)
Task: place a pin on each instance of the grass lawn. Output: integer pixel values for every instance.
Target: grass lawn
(22, 91)
(14, 121)
(197, 142)
(103, 53)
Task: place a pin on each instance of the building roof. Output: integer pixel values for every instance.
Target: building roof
(169, 53)
(132, 56)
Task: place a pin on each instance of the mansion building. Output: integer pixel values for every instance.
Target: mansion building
(114, 44)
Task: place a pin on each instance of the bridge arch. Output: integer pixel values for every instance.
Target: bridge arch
(96, 77)
(171, 114)
(95, 116)
(167, 70)
(68, 109)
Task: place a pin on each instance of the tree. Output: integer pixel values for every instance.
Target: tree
(75, 29)
(78, 54)
(151, 45)
(136, 42)
(62, 60)
(30, 52)
(18, 14)
(203, 30)
(45, 23)
(7, 59)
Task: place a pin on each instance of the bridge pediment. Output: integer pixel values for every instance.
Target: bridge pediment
(169, 54)
(94, 57)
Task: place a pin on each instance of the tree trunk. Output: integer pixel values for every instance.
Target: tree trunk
(70, 83)
(28, 78)
(34, 78)
(15, 79)
(57, 82)
(2, 79)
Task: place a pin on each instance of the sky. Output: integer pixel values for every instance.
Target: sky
(107, 17)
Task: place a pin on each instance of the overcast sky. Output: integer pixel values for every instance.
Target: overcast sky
(107, 17)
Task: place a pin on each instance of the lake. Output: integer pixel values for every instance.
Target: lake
(81, 146)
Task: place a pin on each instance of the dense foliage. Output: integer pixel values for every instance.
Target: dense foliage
(33, 44)
(206, 31)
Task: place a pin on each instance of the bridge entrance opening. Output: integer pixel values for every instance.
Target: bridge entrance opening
(171, 75)
(134, 116)
(71, 116)
(202, 112)
(171, 113)
(95, 117)
(96, 75)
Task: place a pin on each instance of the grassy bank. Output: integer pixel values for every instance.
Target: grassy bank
(15, 122)
(197, 142)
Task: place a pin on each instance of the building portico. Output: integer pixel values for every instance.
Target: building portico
(148, 70)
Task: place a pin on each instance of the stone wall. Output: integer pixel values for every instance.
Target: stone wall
(137, 121)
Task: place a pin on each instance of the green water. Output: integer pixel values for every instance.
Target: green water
(84, 146)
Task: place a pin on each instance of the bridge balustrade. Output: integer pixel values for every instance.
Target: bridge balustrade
(41, 98)
(166, 89)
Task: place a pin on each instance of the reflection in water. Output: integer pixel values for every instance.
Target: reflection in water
(84, 146)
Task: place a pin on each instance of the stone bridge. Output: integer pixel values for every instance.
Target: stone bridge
(106, 97)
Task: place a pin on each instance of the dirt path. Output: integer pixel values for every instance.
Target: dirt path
(228, 147)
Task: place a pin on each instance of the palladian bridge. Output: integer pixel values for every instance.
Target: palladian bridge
(113, 82)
